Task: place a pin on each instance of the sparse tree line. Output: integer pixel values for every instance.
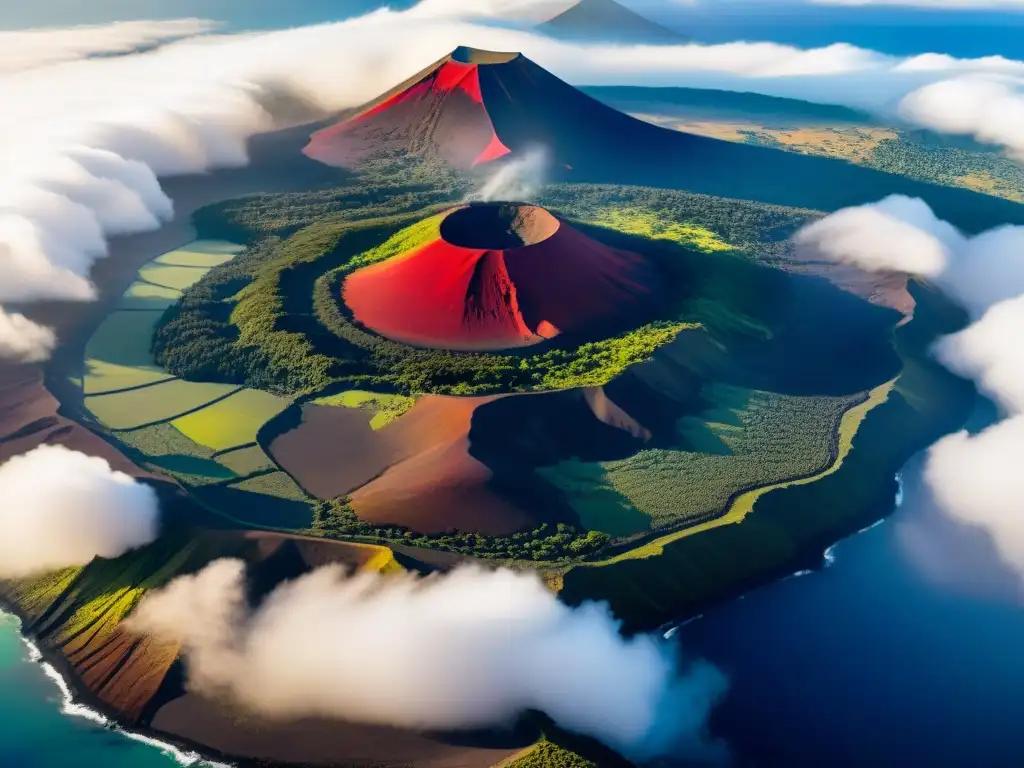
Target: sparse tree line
(561, 542)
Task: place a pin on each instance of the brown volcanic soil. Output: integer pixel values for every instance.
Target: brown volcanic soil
(417, 472)
(456, 462)
(324, 742)
(501, 275)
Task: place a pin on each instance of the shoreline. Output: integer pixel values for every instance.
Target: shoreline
(78, 701)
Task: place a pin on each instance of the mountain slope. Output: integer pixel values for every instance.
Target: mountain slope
(608, 21)
(474, 108)
(496, 277)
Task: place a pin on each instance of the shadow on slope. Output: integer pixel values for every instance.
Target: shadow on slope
(590, 141)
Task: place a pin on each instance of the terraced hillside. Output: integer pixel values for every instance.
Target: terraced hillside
(201, 434)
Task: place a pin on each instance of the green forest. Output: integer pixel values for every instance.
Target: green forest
(272, 318)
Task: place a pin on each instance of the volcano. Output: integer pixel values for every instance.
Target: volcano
(439, 111)
(477, 108)
(473, 107)
(499, 276)
(608, 21)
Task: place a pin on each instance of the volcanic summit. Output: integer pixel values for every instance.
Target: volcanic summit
(439, 110)
(498, 276)
(608, 21)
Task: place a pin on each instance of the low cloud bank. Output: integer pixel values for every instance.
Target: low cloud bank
(30, 48)
(471, 649)
(973, 480)
(85, 134)
(24, 341)
(62, 508)
(989, 109)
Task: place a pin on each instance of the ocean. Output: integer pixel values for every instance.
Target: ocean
(867, 662)
(41, 728)
(862, 663)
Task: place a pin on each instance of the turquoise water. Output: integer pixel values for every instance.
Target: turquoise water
(38, 729)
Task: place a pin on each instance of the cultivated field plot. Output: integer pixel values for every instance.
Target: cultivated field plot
(151, 405)
(383, 409)
(748, 439)
(245, 461)
(118, 355)
(169, 276)
(276, 484)
(201, 253)
(165, 449)
(142, 296)
(232, 422)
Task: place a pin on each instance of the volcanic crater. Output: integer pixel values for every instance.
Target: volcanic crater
(501, 276)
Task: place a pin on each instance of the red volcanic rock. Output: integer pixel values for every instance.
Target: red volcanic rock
(440, 110)
(499, 276)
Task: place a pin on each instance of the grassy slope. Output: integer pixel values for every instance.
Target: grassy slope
(763, 439)
(791, 525)
(383, 409)
(78, 611)
(118, 354)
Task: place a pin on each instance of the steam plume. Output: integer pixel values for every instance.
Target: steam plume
(519, 179)
(470, 649)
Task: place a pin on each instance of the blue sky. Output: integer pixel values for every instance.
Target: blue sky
(897, 30)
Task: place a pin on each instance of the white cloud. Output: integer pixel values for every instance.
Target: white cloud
(896, 234)
(82, 141)
(62, 508)
(991, 353)
(29, 48)
(990, 110)
(382, 649)
(521, 11)
(976, 480)
(23, 340)
(972, 480)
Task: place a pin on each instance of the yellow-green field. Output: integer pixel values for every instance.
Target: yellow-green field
(231, 422)
(201, 253)
(635, 221)
(186, 429)
(149, 405)
(145, 296)
(245, 461)
(118, 354)
(384, 409)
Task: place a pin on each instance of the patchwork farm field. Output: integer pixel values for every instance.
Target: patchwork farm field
(199, 433)
(154, 404)
(232, 422)
(118, 355)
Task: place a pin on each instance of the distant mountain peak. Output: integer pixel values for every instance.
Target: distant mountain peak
(608, 21)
